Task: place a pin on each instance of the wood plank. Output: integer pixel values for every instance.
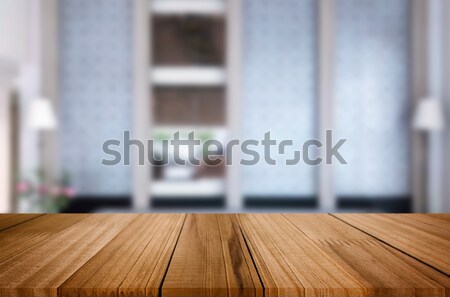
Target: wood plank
(437, 226)
(290, 264)
(30, 233)
(390, 272)
(41, 269)
(423, 237)
(442, 216)
(10, 220)
(222, 255)
(211, 259)
(133, 263)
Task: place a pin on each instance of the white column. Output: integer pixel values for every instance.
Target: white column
(420, 88)
(234, 76)
(446, 103)
(7, 74)
(15, 50)
(326, 20)
(142, 97)
(435, 72)
(5, 151)
(49, 81)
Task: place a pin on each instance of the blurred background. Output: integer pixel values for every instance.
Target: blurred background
(76, 73)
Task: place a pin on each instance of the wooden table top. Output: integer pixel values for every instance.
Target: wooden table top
(193, 255)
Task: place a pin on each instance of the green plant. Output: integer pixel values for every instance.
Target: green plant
(43, 195)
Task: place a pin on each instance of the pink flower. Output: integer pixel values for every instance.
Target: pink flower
(23, 187)
(69, 191)
(55, 191)
(43, 189)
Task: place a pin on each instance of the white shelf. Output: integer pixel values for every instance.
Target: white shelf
(201, 188)
(181, 127)
(188, 76)
(171, 7)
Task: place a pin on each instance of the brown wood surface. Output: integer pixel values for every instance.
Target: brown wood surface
(133, 263)
(41, 269)
(224, 255)
(424, 237)
(211, 259)
(24, 236)
(10, 220)
(289, 264)
(439, 216)
(372, 263)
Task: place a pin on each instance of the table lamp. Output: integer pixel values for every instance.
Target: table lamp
(41, 116)
(429, 119)
(429, 115)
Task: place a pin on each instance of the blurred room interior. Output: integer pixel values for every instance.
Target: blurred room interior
(76, 73)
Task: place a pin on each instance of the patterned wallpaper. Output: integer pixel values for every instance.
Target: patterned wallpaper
(96, 91)
(279, 92)
(279, 85)
(372, 96)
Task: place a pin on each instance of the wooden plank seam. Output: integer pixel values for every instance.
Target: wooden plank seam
(392, 246)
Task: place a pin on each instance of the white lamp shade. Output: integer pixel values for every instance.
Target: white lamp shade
(429, 115)
(41, 115)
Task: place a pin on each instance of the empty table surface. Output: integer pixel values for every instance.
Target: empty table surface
(225, 255)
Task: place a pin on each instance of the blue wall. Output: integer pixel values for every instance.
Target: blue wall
(279, 85)
(279, 65)
(372, 97)
(96, 90)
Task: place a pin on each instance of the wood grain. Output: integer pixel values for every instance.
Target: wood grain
(133, 263)
(41, 269)
(10, 220)
(290, 264)
(26, 235)
(381, 269)
(424, 237)
(440, 216)
(211, 259)
(172, 255)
